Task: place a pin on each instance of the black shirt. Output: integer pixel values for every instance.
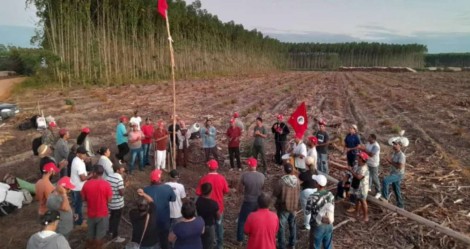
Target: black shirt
(207, 209)
(322, 138)
(170, 133)
(138, 224)
(306, 178)
(285, 130)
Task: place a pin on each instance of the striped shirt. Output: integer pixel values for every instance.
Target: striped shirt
(116, 182)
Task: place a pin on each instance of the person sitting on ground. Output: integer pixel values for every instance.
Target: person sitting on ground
(321, 207)
(116, 205)
(121, 139)
(372, 148)
(234, 134)
(49, 136)
(178, 189)
(307, 188)
(299, 152)
(280, 131)
(97, 193)
(397, 173)
(58, 200)
(208, 209)
(262, 225)
(62, 150)
(135, 144)
(104, 161)
(143, 220)
(209, 143)
(84, 140)
(47, 237)
(311, 149)
(187, 233)
(44, 187)
(147, 130)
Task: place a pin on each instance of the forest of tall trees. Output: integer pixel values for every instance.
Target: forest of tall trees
(448, 60)
(123, 41)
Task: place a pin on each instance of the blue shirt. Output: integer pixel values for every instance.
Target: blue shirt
(208, 140)
(120, 131)
(352, 141)
(188, 234)
(162, 195)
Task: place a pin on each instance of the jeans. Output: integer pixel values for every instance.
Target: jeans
(259, 150)
(77, 206)
(303, 203)
(208, 237)
(322, 163)
(123, 150)
(280, 151)
(234, 154)
(209, 151)
(321, 234)
(286, 219)
(146, 149)
(219, 232)
(246, 209)
(134, 153)
(374, 178)
(395, 180)
(114, 220)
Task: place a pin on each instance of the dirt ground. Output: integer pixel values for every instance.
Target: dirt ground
(6, 86)
(433, 109)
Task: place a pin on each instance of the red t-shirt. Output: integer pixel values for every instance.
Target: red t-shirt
(261, 227)
(234, 134)
(219, 188)
(97, 193)
(161, 145)
(148, 132)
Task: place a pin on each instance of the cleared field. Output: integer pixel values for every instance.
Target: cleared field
(433, 108)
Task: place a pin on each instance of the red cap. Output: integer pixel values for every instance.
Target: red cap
(123, 118)
(313, 139)
(63, 131)
(280, 117)
(363, 155)
(49, 167)
(65, 183)
(322, 122)
(252, 162)
(213, 164)
(236, 115)
(52, 124)
(86, 130)
(155, 175)
(232, 120)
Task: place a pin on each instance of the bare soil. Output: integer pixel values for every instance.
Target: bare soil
(433, 108)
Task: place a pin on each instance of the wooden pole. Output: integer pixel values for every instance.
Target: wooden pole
(445, 230)
(172, 56)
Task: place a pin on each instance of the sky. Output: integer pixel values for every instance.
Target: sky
(442, 25)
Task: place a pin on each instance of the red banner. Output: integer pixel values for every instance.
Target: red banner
(298, 120)
(162, 7)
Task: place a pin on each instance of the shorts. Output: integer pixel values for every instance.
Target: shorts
(97, 227)
(360, 194)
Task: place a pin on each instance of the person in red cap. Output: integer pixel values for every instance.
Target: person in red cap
(238, 121)
(322, 147)
(219, 189)
(121, 138)
(234, 133)
(58, 200)
(161, 194)
(311, 148)
(84, 140)
(44, 186)
(148, 131)
(251, 185)
(48, 136)
(280, 131)
(161, 137)
(262, 225)
(62, 150)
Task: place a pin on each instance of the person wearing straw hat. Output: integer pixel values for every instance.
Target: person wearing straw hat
(47, 237)
(397, 173)
(45, 153)
(280, 131)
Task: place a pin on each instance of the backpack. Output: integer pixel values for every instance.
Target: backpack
(35, 145)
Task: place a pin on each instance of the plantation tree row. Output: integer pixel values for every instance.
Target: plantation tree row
(353, 54)
(118, 41)
(448, 60)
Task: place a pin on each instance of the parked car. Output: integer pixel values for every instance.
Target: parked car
(8, 110)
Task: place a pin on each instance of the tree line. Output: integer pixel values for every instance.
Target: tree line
(448, 60)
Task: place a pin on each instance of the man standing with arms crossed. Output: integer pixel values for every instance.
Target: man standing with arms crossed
(280, 131)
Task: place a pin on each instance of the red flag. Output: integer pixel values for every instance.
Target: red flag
(298, 120)
(162, 7)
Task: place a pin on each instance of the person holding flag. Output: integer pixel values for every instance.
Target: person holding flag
(280, 131)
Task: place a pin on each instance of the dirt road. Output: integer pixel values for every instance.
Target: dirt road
(6, 86)
(433, 108)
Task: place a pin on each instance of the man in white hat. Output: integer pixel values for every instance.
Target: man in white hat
(397, 173)
(321, 207)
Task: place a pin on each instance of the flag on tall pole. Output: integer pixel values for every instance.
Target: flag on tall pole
(298, 120)
(162, 7)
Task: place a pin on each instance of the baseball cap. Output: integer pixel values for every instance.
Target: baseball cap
(174, 174)
(49, 167)
(252, 162)
(321, 122)
(52, 124)
(213, 164)
(66, 183)
(313, 139)
(49, 217)
(81, 150)
(63, 131)
(232, 120)
(320, 179)
(155, 175)
(280, 117)
(363, 155)
(86, 130)
(236, 115)
(123, 118)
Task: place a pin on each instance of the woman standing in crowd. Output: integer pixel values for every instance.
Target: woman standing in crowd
(187, 233)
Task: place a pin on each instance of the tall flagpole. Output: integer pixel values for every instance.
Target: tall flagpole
(170, 42)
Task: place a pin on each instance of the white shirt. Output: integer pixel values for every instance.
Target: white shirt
(328, 210)
(175, 206)
(300, 149)
(313, 153)
(373, 161)
(107, 165)
(137, 121)
(78, 168)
